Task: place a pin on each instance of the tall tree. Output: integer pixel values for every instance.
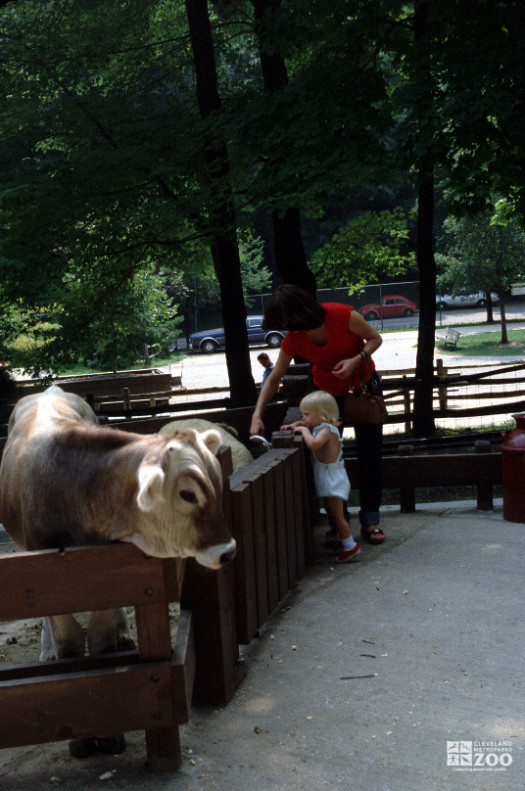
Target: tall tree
(425, 164)
(224, 247)
(288, 245)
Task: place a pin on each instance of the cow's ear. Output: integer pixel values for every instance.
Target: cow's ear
(212, 440)
(151, 481)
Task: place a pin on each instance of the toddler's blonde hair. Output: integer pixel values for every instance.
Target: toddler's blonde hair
(323, 405)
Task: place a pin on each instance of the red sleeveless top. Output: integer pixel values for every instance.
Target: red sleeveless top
(340, 345)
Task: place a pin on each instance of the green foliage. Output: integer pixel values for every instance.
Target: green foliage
(105, 202)
(488, 344)
(256, 277)
(92, 191)
(370, 246)
(9, 392)
(486, 252)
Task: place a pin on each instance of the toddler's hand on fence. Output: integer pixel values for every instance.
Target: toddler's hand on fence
(291, 426)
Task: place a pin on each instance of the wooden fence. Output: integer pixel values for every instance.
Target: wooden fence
(270, 508)
(109, 385)
(145, 690)
(481, 468)
(150, 395)
(497, 389)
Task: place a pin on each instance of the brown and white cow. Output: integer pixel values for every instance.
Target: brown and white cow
(66, 481)
(241, 456)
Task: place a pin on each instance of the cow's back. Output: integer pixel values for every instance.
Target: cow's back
(29, 473)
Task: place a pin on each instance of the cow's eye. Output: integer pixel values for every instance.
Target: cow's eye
(189, 496)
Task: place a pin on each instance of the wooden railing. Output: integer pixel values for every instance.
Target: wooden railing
(456, 391)
(149, 689)
(269, 507)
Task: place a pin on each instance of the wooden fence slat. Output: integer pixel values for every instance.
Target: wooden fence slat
(79, 664)
(290, 516)
(274, 469)
(256, 485)
(437, 470)
(270, 519)
(35, 584)
(57, 707)
(174, 569)
(245, 562)
(310, 500)
(299, 504)
(183, 668)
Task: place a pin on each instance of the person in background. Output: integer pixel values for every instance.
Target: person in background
(266, 364)
(336, 340)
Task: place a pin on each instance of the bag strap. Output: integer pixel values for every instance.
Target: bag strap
(362, 371)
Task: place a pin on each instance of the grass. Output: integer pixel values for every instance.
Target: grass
(157, 362)
(486, 344)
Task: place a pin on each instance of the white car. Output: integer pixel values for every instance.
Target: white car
(477, 300)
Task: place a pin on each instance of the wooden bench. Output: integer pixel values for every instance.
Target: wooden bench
(409, 471)
(448, 336)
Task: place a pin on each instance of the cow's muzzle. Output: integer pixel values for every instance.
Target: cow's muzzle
(218, 555)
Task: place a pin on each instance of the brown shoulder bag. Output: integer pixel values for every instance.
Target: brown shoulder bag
(365, 405)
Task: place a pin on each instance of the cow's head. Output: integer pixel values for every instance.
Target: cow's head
(180, 498)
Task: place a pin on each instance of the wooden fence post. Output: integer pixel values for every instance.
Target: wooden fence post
(407, 494)
(442, 387)
(210, 597)
(483, 488)
(406, 402)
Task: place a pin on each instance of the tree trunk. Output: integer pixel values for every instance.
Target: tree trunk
(498, 265)
(490, 311)
(289, 251)
(290, 257)
(224, 248)
(423, 394)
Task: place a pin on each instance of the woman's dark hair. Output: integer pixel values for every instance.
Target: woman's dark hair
(292, 308)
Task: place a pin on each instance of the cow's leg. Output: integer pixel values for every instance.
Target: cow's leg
(62, 637)
(109, 631)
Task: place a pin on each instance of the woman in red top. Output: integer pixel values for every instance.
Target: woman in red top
(335, 339)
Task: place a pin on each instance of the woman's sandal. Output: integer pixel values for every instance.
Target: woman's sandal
(373, 534)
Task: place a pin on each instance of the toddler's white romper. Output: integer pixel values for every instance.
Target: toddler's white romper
(331, 479)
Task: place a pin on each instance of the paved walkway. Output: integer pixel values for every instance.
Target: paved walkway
(361, 678)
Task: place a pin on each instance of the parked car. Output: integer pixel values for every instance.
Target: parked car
(210, 340)
(477, 300)
(392, 306)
